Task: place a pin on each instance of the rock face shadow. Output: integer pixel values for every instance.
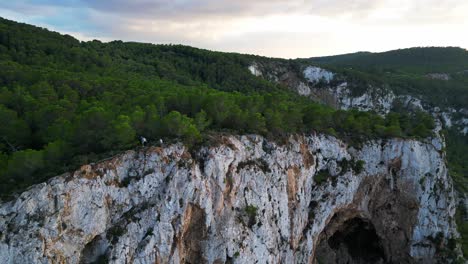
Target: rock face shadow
(376, 228)
(193, 235)
(355, 241)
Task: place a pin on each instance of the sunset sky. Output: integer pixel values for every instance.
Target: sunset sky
(288, 29)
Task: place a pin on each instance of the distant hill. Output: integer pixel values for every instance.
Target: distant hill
(439, 75)
(415, 60)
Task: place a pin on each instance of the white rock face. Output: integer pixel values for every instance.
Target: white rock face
(463, 123)
(303, 89)
(255, 70)
(247, 200)
(438, 76)
(372, 100)
(378, 99)
(447, 120)
(315, 74)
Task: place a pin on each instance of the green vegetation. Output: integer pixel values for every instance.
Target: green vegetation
(321, 177)
(404, 71)
(414, 60)
(255, 163)
(462, 226)
(457, 156)
(64, 103)
(358, 166)
(251, 212)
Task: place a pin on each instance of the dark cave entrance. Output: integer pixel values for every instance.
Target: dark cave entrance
(353, 241)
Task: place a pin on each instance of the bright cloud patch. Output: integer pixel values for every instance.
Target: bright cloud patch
(294, 28)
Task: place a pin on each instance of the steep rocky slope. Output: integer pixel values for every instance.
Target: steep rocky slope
(351, 92)
(246, 200)
(330, 88)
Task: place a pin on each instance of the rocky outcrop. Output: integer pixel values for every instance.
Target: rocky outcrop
(246, 200)
(316, 74)
(255, 70)
(334, 90)
(439, 76)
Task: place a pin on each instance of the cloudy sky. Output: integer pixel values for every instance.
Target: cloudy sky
(279, 28)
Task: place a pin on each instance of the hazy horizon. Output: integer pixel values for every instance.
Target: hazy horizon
(283, 29)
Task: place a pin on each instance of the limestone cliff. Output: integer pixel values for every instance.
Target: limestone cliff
(312, 199)
(335, 90)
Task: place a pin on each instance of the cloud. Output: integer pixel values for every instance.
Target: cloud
(269, 27)
(195, 9)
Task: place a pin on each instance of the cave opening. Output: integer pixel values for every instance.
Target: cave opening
(352, 241)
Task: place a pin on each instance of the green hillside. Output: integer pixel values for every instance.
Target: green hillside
(405, 71)
(64, 103)
(414, 60)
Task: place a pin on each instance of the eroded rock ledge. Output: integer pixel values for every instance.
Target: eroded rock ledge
(247, 200)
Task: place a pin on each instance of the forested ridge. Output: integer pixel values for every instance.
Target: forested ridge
(405, 71)
(64, 103)
(415, 60)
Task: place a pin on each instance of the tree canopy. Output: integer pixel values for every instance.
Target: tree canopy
(64, 102)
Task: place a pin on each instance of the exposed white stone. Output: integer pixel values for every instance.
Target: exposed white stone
(373, 99)
(438, 76)
(411, 103)
(465, 130)
(143, 202)
(315, 74)
(303, 89)
(378, 99)
(254, 69)
(447, 119)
